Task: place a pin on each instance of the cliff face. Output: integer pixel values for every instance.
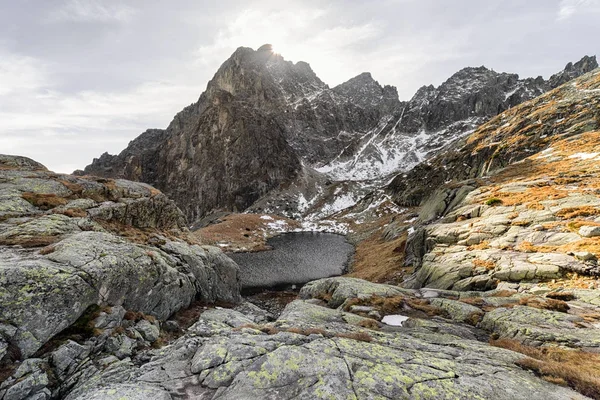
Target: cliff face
(224, 151)
(416, 130)
(264, 123)
(512, 136)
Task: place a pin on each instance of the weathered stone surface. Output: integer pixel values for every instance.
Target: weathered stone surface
(149, 331)
(94, 267)
(32, 379)
(589, 231)
(458, 311)
(44, 292)
(341, 289)
(241, 364)
(121, 346)
(536, 327)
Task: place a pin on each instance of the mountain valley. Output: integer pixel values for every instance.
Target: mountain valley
(473, 211)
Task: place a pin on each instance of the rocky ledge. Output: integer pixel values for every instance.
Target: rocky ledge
(331, 345)
(70, 244)
(104, 294)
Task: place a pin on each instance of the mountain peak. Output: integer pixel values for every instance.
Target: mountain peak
(571, 71)
(265, 47)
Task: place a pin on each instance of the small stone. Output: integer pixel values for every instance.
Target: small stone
(589, 231)
(29, 366)
(111, 319)
(537, 227)
(359, 309)
(149, 331)
(585, 256)
(121, 346)
(538, 290)
(67, 355)
(28, 387)
(375, 315)
(171, 326)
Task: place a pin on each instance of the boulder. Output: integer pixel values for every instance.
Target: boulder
(589, 231)
(43, 295)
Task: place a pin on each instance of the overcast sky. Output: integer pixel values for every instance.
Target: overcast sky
(81, 77)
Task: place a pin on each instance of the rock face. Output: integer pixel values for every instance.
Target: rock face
(528, 213)
(68, 243)
(512, 136)
(319, 352)
(264, 123)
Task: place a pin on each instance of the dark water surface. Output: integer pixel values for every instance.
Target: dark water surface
(296, 258)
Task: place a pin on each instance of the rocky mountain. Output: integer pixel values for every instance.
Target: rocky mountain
(510, 137)
(435, 117)
(517, 199)
(104, 293)
(266, 125)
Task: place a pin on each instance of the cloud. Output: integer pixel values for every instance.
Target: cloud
(62, 129)
(92, 11)
(569, 8)
(19, 73)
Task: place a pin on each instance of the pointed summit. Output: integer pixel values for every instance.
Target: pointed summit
(572, 71)
(265, 47)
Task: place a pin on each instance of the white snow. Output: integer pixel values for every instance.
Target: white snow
(266, 217)
(394, 320)
(546, 153)
(386, 152)
(279, 225)
(585, 156)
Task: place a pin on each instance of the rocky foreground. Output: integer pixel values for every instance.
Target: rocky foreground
(105, 295)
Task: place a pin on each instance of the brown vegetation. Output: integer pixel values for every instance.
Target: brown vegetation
(73, 213)
(487, 264)
(378, 260)
(578, 369)
(242, 231)
(564, 296)
(44, 201)
(545, 304)
(395, 304)
(30, 241)
(574, 212)
(137, 316)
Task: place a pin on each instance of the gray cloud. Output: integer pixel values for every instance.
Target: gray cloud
(80, 77)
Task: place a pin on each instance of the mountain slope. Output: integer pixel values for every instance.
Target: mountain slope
(517, 133)
(266, 125)
(435, 117)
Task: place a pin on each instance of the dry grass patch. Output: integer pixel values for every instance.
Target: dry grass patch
(137, 316)
(574, 212)
(378, 260)
(73, 212)
(544, 304)
(564, 296)
(30, 242)
(480, 246)
(44, 201)
(531, 197)
(527, 247)
(474, 301)
(243, 231)
(487, 264)
(395, 304)
(578, 369)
